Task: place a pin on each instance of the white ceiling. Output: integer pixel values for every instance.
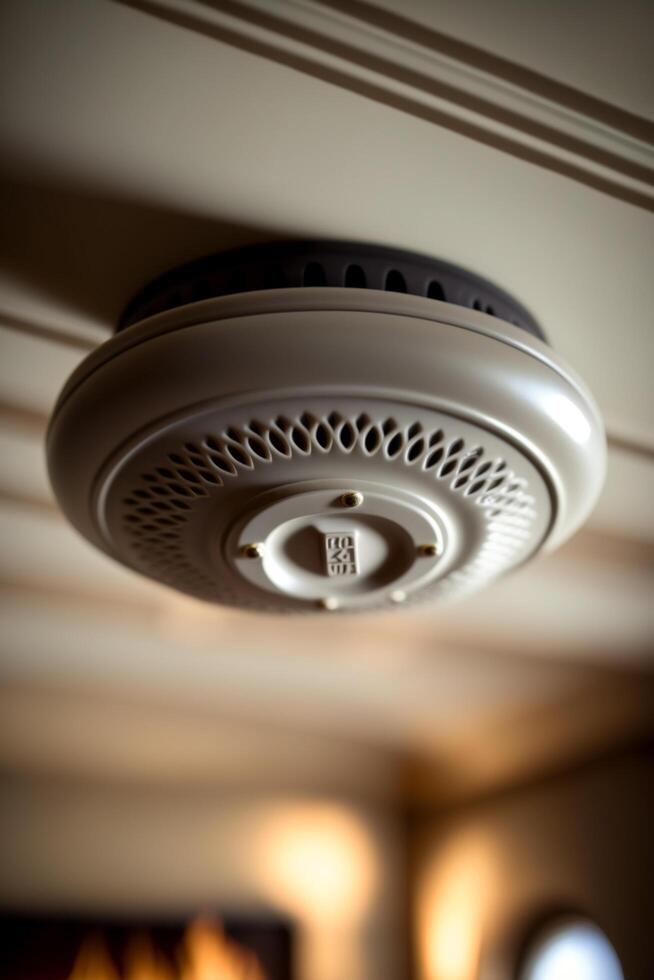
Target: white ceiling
(131, 143)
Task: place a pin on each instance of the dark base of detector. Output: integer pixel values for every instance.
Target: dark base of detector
(284, 265)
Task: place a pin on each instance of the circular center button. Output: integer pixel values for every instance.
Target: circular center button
(343, 555)
(303, 542)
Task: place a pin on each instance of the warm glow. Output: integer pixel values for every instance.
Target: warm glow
(205, 954)
(317, 861)
(208, 955)
(452, 909)
(93, 962)
(143, 962)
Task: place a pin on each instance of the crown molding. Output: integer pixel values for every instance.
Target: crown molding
(492, 64)
(363, 50)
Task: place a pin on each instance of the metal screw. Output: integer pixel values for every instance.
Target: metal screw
(428, 550)
(398, 596)
(352, 498)
(330, 603)
(253, 550)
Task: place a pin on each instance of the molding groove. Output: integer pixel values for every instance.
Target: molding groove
(44, 331)
(23, 421)
(516, 74)
(450, 84)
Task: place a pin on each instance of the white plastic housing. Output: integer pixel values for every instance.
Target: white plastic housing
(254, 414)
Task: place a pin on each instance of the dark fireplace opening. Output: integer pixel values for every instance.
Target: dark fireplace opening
(48, 947)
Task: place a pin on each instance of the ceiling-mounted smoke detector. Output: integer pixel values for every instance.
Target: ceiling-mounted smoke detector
(325, 426)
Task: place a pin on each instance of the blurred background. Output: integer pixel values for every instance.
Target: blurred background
(405, 796)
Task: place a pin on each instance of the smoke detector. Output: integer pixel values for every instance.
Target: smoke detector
(325, 426)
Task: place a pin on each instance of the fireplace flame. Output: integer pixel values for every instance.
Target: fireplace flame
(205, 954)
(208, 955)
(93, 961)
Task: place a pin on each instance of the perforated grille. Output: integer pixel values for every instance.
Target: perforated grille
(158, 510)
(296, 265)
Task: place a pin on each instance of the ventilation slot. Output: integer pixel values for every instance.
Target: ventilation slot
(475, 487)
(300, 439)
(372, 441)
(468, 462)
(222, 464)
(395, 282)
(447, 468)
(279, 442)
(436, 291)
(239, 455)
(355, 277)
(322, 436)
(258, 427)
(210, 477)
(258, 447)
(347, 436)
(434, 458)
(415, 450)
(395, 445)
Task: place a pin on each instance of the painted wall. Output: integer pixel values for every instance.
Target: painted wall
(481, 874)
(487, 872)
(335, 867)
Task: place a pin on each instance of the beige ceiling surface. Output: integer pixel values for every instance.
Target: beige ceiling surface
(130, 144)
